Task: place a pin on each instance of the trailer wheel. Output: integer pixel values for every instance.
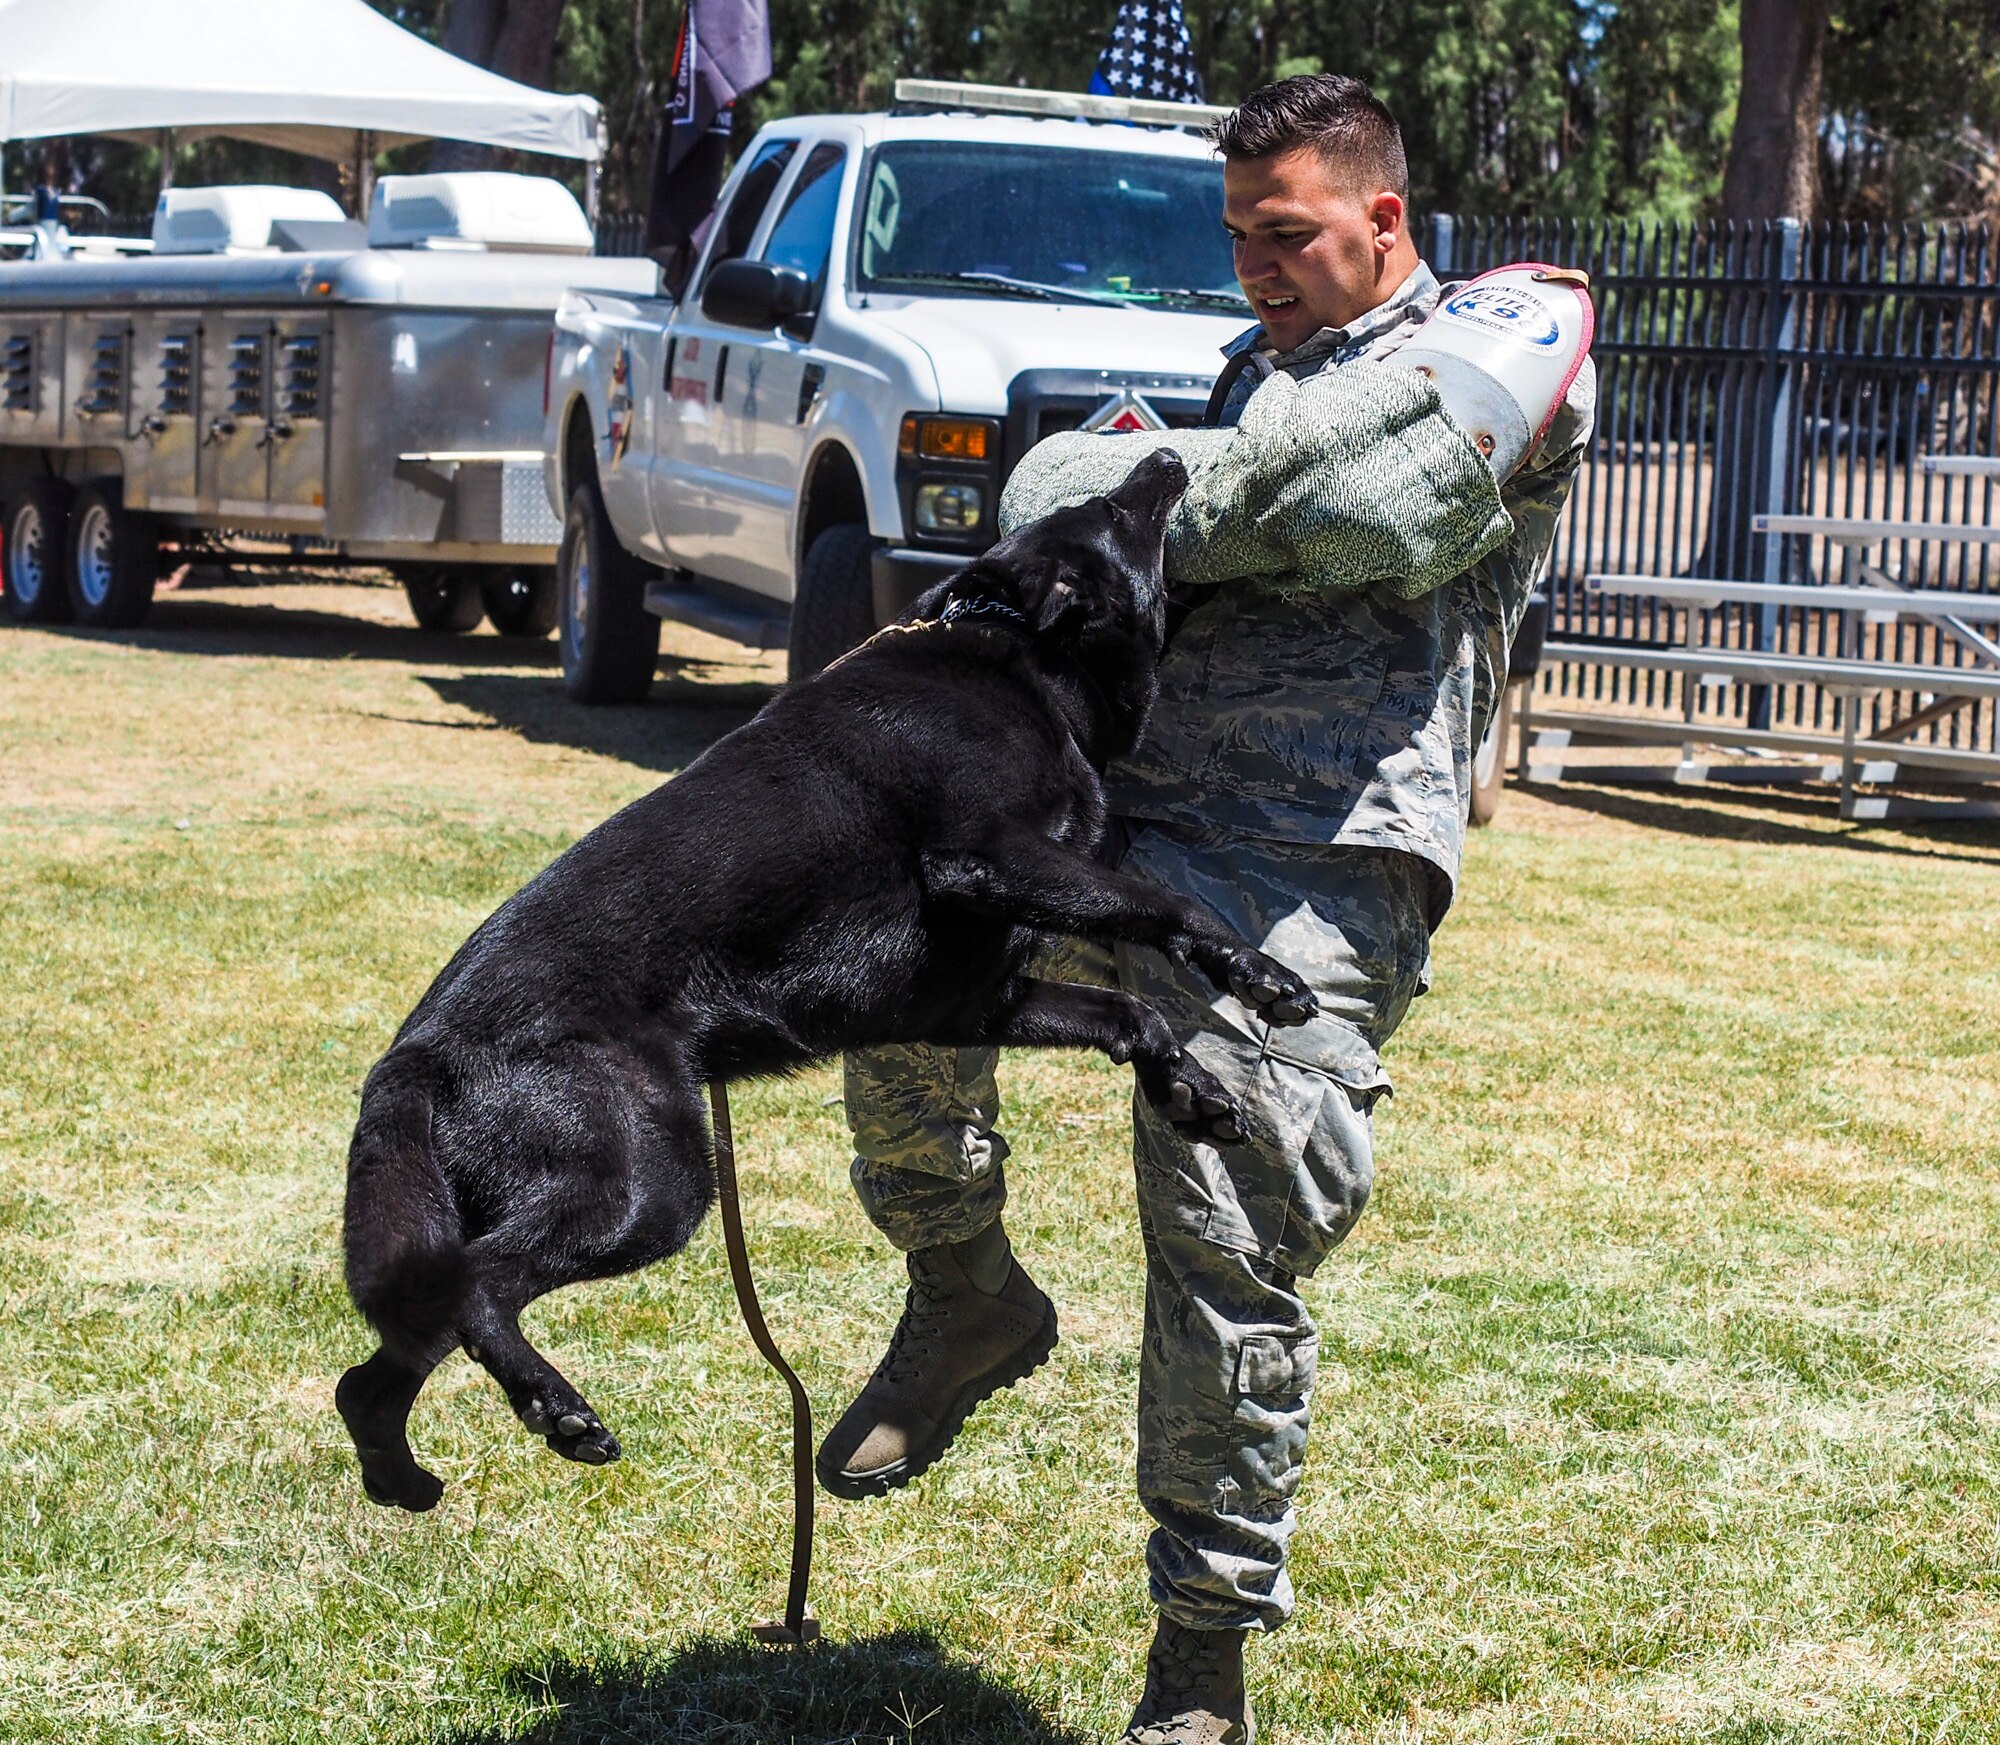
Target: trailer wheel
(610, 642)
(1489, 761)
(442, 599)
(36, 544)
(834, 609)
(114, 559)
(522, 601)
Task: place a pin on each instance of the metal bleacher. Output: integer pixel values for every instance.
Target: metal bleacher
(1864, 593)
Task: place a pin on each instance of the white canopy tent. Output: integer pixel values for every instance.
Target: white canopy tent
(331, 78)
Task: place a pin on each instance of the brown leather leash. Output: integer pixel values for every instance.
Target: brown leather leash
(797, 1628)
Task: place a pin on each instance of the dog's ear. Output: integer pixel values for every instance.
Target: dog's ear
(1060, 602)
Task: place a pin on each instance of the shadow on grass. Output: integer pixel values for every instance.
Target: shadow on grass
(1692, 813)
(903, 1688)
(677, 722)
(208, 625)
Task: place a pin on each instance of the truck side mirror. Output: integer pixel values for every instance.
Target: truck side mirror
(755, 294)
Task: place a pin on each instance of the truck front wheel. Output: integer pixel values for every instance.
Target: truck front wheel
(834, 609)
(610, 642)
(1489, 758)
(36, 543)
(114, 559)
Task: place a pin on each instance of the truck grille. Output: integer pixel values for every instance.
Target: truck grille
(1052, 419)
(177, 375)
(1042, 402)
(246, 375)
(17, 373)
(104, 391)
(298, 375)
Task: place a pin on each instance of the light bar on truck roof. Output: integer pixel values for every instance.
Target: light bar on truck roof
(1060, 105)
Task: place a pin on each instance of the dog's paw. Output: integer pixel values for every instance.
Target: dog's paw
(1195, 1101)
(1270, 990)
(581, 1436)
(405, 1486)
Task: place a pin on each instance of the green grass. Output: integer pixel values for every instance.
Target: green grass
(1658, 1389)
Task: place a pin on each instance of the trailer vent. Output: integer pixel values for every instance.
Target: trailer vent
(298, 375)
(17, 373)
(104, 390)
(246, 375)
(177, 375)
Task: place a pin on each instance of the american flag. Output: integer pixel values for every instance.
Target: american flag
(1150, 54)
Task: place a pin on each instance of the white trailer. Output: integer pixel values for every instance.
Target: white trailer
(274, 381)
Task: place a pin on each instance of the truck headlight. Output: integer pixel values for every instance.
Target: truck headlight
(950, 508)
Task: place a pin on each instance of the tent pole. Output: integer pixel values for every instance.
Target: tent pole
(364, 173)
(166, 158)
(590, 192)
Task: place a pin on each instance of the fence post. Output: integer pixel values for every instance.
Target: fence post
(1773, 491)
(1444, 235)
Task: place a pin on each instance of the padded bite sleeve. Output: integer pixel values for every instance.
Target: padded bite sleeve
(1345, 480)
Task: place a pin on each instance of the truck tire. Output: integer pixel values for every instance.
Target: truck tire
(36, 548)
(610, 642)
(114, 559)
(443, 599)
(522, 601)
(1489, 759)
(834, 609)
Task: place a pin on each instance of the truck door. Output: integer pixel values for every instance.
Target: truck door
(698, 359)
(773, 381)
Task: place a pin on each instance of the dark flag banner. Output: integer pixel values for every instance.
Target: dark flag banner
(724, 50)
(1150, 55)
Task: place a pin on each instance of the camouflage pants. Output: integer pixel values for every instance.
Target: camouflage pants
(1226, 1372)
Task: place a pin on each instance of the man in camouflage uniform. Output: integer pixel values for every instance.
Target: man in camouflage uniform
(1306, 774)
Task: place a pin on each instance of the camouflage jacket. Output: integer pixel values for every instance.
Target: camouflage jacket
(1357, 582)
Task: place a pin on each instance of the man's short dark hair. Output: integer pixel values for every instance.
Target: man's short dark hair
(1338, 117)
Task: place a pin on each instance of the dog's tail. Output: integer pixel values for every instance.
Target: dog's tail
(407, 1268)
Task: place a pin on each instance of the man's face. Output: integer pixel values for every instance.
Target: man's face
(1312, 248)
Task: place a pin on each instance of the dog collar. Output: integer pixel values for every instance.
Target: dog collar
(963, 607)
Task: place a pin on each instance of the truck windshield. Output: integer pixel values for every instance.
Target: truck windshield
(1048, 223)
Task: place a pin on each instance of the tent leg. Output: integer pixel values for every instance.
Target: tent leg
(166, 158)
(364, 173)
(590, 192)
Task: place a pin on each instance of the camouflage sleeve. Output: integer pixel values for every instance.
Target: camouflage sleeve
(1349, 479)
(1534, 499)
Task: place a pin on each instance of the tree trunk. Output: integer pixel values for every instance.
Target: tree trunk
(526, 49)
(1773, 168)
(471, 30)
(514, 38)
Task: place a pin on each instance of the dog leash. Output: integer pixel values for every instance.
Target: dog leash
(797, 1628)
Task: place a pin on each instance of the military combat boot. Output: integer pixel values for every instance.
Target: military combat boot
(1194, 1690)
(955, 1345)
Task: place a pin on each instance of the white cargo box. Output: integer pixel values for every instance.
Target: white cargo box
(232, 220)
(478, 209)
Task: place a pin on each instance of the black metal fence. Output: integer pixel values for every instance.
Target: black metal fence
(621, 233)
(1768, 368)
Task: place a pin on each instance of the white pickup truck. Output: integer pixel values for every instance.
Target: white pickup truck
(891, 309)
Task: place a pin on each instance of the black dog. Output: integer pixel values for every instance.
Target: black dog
(871, 860)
